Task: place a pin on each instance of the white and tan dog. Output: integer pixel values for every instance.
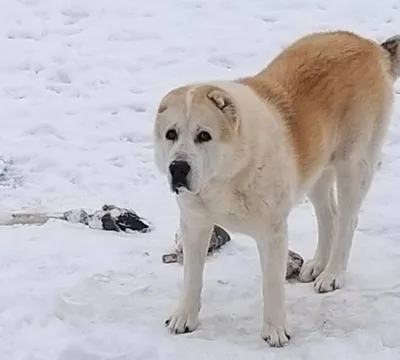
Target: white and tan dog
(242, 153)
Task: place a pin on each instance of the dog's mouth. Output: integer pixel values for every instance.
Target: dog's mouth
(179, 187)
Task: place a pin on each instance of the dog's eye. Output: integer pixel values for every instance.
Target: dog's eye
(203, 136)
(171, 135)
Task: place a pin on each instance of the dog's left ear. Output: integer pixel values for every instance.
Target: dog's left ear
(224, 102)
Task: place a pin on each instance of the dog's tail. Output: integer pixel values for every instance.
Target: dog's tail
(392, 46)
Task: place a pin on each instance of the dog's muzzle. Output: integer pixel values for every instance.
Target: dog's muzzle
(179, 171)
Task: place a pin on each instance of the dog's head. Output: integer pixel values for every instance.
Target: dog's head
(192, 133)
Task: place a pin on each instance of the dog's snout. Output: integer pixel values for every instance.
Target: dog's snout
(179, 169)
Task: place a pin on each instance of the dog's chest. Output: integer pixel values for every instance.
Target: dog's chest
(241, 210)
(233, 210)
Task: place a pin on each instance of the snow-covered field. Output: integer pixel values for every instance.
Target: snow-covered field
(79, 83)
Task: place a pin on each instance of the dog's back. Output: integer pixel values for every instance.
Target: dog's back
(334, 91)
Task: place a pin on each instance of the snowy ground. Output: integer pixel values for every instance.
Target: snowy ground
(79, 82)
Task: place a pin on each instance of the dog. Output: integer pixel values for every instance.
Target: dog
(242, 153)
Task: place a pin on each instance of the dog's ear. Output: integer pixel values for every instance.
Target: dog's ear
(170, 97)
(164, 103)
(162, 107)
(225, 103)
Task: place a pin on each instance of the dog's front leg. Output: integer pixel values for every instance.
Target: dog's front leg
(196, 234)
(273, 249)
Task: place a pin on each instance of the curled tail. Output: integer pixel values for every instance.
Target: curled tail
(392, 46)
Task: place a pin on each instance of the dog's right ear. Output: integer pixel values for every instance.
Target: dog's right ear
(164, 104)
(170, 97)
(225, 103)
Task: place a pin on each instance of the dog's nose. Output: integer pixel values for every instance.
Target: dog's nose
(179, 170)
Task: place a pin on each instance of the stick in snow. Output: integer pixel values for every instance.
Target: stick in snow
(110, 218)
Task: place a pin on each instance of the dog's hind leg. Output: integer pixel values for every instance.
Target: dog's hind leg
(353, 183)
(323, 198)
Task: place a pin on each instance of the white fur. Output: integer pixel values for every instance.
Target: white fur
(337, 222)
(254, 200)
(250, 186)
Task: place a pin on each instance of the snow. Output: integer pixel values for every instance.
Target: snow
(79, 83)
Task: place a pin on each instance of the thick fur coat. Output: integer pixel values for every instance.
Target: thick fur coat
(242, 153)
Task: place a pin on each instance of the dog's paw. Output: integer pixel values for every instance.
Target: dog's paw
(328, 281)
(182, 321)
(311, 270)
(276, 336)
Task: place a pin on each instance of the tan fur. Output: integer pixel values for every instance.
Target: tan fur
(331, 89)
(315, 117)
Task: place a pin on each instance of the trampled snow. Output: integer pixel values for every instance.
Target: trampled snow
(79, 84)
